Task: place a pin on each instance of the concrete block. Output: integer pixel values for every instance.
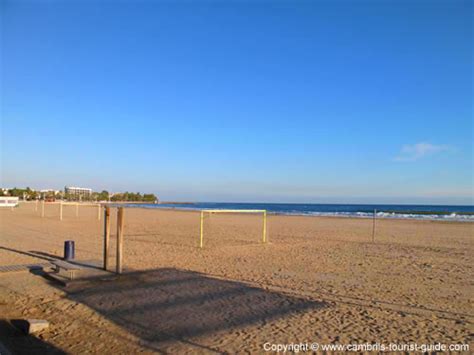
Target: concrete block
(30, 326)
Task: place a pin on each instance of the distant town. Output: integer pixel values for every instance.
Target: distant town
(72, 193)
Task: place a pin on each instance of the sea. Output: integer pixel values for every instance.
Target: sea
(420, 212)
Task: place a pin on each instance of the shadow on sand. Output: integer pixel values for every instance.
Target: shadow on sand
(166, 307)
(18, 343)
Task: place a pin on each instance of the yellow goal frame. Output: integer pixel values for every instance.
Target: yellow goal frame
(264, 212)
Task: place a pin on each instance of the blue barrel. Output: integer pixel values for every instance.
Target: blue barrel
(69, 250)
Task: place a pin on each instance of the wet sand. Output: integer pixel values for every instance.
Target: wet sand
(317, 280)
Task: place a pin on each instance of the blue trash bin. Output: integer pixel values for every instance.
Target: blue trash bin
(69, 250)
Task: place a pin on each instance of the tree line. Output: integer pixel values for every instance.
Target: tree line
(133, 197)
(29, 194)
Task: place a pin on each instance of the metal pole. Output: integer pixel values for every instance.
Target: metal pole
(98, 212)
(42, 209)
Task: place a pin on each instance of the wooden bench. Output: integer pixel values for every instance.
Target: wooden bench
(66, 266)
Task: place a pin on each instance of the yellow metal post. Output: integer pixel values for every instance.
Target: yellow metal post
(202, 228)
(265, 226)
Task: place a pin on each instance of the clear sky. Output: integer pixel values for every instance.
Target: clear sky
(271, 101)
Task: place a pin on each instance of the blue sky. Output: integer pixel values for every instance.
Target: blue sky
(272, 101)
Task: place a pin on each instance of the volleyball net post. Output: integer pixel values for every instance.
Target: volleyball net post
(263, 212)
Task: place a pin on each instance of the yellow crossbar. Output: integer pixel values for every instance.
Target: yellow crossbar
(234, 211)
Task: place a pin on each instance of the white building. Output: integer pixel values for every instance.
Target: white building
(8, 201)
(77, 191)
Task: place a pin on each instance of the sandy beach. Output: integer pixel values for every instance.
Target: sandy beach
(317, 280)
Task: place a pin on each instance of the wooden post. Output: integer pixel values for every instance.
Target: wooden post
(60, 210)
(77, 210)
(106, 236)
(42, 209)
(373, 226)
(120, 222)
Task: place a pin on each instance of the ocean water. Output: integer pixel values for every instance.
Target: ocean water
(430, 212)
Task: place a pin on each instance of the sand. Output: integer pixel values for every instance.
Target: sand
(317, 280)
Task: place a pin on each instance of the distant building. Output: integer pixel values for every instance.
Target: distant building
(7, 201)
(78, 191)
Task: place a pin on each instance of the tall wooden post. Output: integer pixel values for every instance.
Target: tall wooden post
(106, 236)
(60, 210)
(42, 209)
(120, 222)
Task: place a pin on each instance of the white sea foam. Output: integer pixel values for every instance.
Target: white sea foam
(387, 215)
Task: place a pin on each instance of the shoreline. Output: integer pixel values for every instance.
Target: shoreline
(380, 215)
